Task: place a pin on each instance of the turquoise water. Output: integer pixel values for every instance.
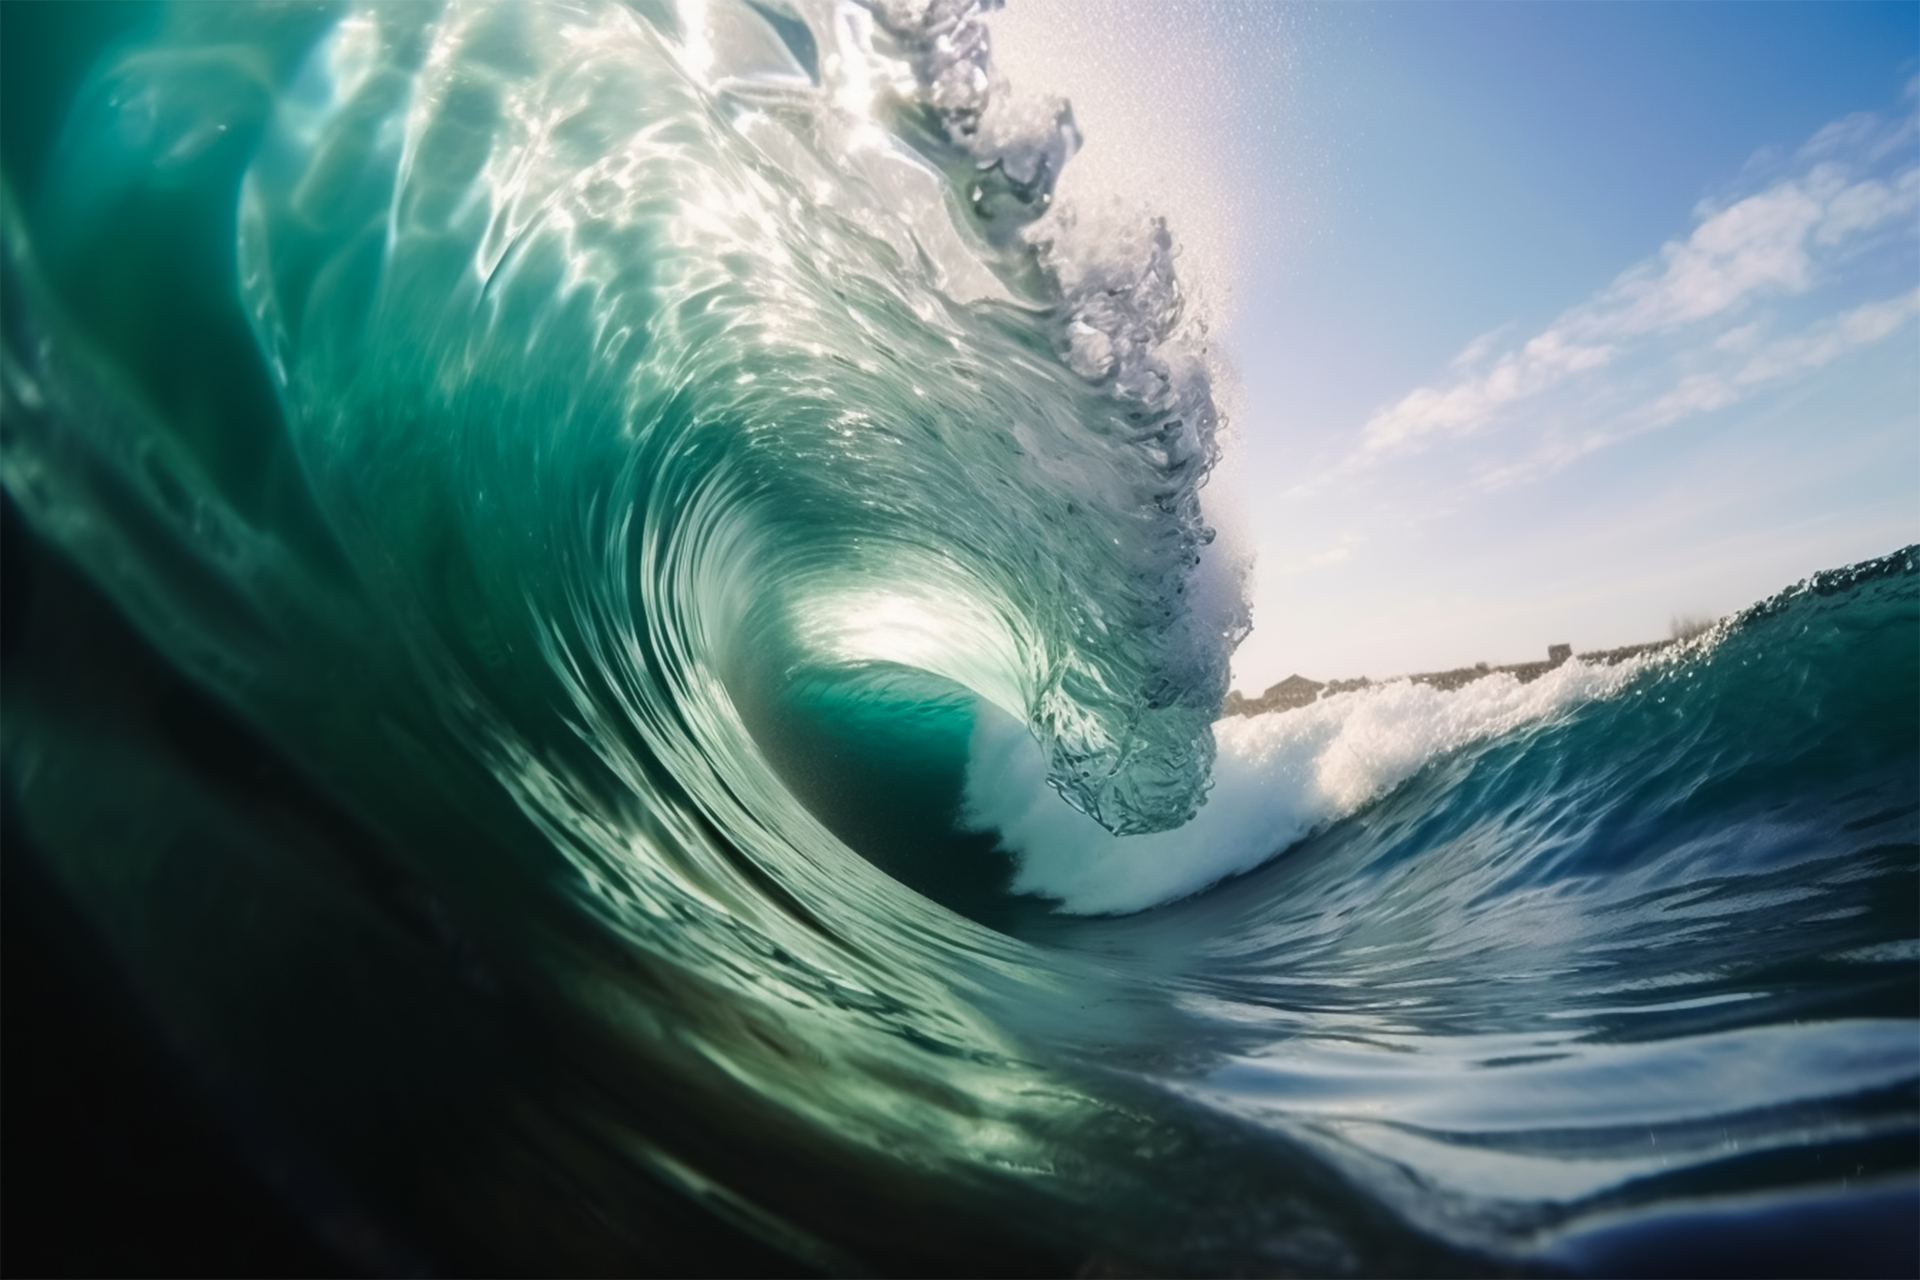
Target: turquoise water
(670, 663)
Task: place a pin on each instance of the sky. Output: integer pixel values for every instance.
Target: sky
(1537, 323)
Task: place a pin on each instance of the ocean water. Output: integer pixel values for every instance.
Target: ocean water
(620, 640)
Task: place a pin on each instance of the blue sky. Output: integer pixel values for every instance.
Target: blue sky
(1549, 322)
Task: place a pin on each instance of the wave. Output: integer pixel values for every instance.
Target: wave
(622, 609)
(1280, 776)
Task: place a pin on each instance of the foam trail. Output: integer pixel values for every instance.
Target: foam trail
(1278, 778)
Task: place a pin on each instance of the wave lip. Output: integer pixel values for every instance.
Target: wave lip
(1124, 704)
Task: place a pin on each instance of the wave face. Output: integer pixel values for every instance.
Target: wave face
(623, 620)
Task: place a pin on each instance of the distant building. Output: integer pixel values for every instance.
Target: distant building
(1294, 691)
(1558, 653)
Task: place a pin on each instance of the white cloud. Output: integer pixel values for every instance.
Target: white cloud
(1469, 403)
(1337, 554)
(1679, 308)
(1477, 351)
(1822, 342)
(1816, 345)
(1697, 393)
(1744, 338)
(1757, 245)
(1867, 205)
(1864, 134)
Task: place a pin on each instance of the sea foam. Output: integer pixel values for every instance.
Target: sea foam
(1278, 778)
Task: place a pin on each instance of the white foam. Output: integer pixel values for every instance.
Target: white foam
(1278, 778)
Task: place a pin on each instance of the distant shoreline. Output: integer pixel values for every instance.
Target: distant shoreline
(1298, 691)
